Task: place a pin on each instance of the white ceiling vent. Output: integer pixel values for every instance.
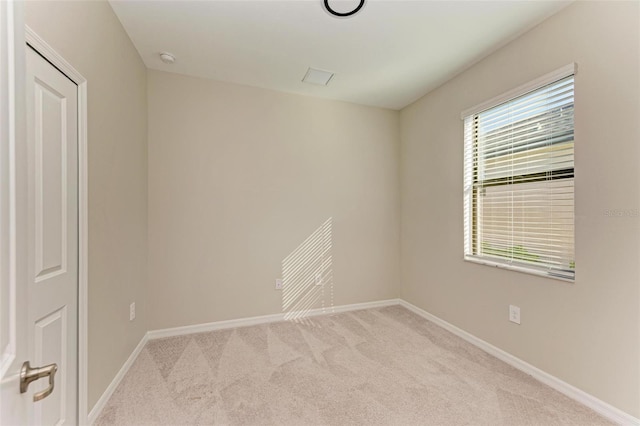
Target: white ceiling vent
(315, 76)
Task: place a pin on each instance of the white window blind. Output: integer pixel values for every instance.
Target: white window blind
(519, 182)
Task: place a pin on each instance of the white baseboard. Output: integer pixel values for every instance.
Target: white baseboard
(610, 412)
(99, 406)
(264, 319)
(219, 325)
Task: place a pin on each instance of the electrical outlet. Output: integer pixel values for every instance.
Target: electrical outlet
(319, 278)
(278, 284)
(132, 311)
(514, 314)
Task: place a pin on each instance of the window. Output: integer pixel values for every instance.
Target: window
(519, 179)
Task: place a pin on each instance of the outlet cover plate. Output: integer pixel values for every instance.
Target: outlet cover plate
(514, 314)
(132, 311)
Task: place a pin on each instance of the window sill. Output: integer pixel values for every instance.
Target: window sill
(518, 268)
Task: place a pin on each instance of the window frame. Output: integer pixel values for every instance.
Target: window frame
(470, 175)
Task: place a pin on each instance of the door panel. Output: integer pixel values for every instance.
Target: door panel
(53, 236)
(50, 333)
(50, 181)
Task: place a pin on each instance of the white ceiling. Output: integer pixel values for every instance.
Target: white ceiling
(388, 55)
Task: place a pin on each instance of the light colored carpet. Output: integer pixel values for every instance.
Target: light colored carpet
(383, 366)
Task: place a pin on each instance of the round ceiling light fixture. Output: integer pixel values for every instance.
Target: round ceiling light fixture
(343, 14)
(167, 58)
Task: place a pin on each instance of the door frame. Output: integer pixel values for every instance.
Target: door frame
(39, 45)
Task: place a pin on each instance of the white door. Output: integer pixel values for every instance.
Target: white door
(41, 310)
(52, 153)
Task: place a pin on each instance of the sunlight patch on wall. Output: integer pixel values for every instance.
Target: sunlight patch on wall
(307, 275)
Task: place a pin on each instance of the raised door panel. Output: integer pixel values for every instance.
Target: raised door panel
(50, 181)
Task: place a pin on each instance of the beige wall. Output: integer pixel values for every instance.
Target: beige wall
(89, 36)
(586, 333)
(240, 177)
